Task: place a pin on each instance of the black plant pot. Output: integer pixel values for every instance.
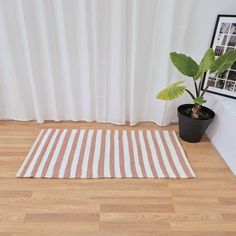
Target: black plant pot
(191, 130)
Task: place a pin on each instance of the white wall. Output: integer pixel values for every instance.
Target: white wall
(222, 132)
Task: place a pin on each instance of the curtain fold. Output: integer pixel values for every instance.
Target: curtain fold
(101, 60)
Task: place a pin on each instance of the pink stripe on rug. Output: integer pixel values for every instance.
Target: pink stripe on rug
(150, 160)
(61, 155)
(170, 159)
(31, 154)
(46, 166)
(121, 152)
(100, 154)
(42, 153)
(71, 156)
(159, 156)
(131, 154)
(112, 161)
(81, 156)
(140, 155)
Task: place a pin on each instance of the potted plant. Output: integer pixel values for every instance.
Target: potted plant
(195, 118)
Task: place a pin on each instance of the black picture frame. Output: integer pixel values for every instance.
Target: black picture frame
(222, 85)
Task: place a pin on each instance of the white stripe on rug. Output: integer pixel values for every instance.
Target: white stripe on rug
(116, 155)
(173, 154)
(66, 155)
(77, 154)
(97, 153)
(53, 161)
(154, 156)
(46, 155)
(164, 156)
(36, 156)
(144, 154)
(106, 154)
(33, 148)
(86, 154)
(126, 155)
(136, 160)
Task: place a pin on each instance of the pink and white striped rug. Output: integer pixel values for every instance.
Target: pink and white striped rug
(63, 153)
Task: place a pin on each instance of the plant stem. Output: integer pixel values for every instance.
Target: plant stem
(204, 90)
(196, 111)
(195, 85)
(200, 85)
(191, 95)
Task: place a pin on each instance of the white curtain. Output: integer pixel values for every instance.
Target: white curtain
(100, 60)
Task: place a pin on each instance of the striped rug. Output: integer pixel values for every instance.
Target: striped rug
(63, 153)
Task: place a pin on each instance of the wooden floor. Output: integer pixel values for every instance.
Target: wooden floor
(202, 206)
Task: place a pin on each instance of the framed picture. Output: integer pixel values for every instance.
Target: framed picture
(223, 40)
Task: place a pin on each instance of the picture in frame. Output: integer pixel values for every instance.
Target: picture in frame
(223, 40)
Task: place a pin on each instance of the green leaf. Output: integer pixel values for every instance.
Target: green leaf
(206, 63)
(199, 100)
(171, 92)
(223, 62)
(186, 65)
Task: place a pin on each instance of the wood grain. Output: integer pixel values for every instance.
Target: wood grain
(61, 217)
(203, 206)
(137, 208)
